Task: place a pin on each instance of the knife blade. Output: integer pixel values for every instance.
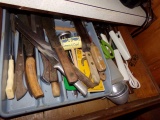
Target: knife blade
(49, 26)
(21, 90)
(37, 28)
(50, 54)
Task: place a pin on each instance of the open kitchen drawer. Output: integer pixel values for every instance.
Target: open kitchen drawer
(95, 107)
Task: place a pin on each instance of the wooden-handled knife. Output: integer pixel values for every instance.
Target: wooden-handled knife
(30, 67)
(49, 26)
(92, 53)
(49, 73)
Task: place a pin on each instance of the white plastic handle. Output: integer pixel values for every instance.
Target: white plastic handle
(104, 38)
(119, 45)
(122, 41)
(10, 80)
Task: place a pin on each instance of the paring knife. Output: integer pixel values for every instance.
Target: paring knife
(21, 90)
(50, 54)
(30, 66)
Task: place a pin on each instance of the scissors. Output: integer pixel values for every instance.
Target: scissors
(107, 49)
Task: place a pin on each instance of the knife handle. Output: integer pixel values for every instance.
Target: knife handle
(32, 78)
(10, 80)
(53, 78)
(55, 89)
(97, 57)
(102, 75)
(93, 69)
(122, 49)
(66, 64)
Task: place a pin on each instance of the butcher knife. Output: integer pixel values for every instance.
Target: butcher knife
(49, 26)
(45, 48)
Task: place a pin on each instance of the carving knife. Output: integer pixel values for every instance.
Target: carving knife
(30, 65)
(49, 73)
(21, 90)
(50, 54)
(49, 26)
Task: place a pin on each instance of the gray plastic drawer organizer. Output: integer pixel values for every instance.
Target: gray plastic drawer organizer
(28, 103)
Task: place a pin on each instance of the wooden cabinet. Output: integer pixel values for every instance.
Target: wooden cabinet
(146, 70)
(148, 44)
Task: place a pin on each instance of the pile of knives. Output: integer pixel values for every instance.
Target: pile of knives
(32, 31)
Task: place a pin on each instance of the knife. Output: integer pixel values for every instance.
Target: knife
(50, 54)
(49, 73)
(30, 66)
(10, 87)
(21, 90)
(37, 28)
(86, 49)
(49, 26)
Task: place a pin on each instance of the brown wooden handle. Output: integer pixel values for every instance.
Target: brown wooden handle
(102, 75)
(32, 78)
(97, 57)
(55, 89)
(93, 69)
(66, 64)
(55, 44)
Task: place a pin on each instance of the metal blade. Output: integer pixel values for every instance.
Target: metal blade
(47, 51)
(40, 44)
(21, 90)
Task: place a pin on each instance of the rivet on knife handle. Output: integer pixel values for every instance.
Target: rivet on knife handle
(48, 25)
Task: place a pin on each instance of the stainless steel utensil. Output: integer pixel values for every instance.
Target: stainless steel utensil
(117, 89)
(121, 97)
